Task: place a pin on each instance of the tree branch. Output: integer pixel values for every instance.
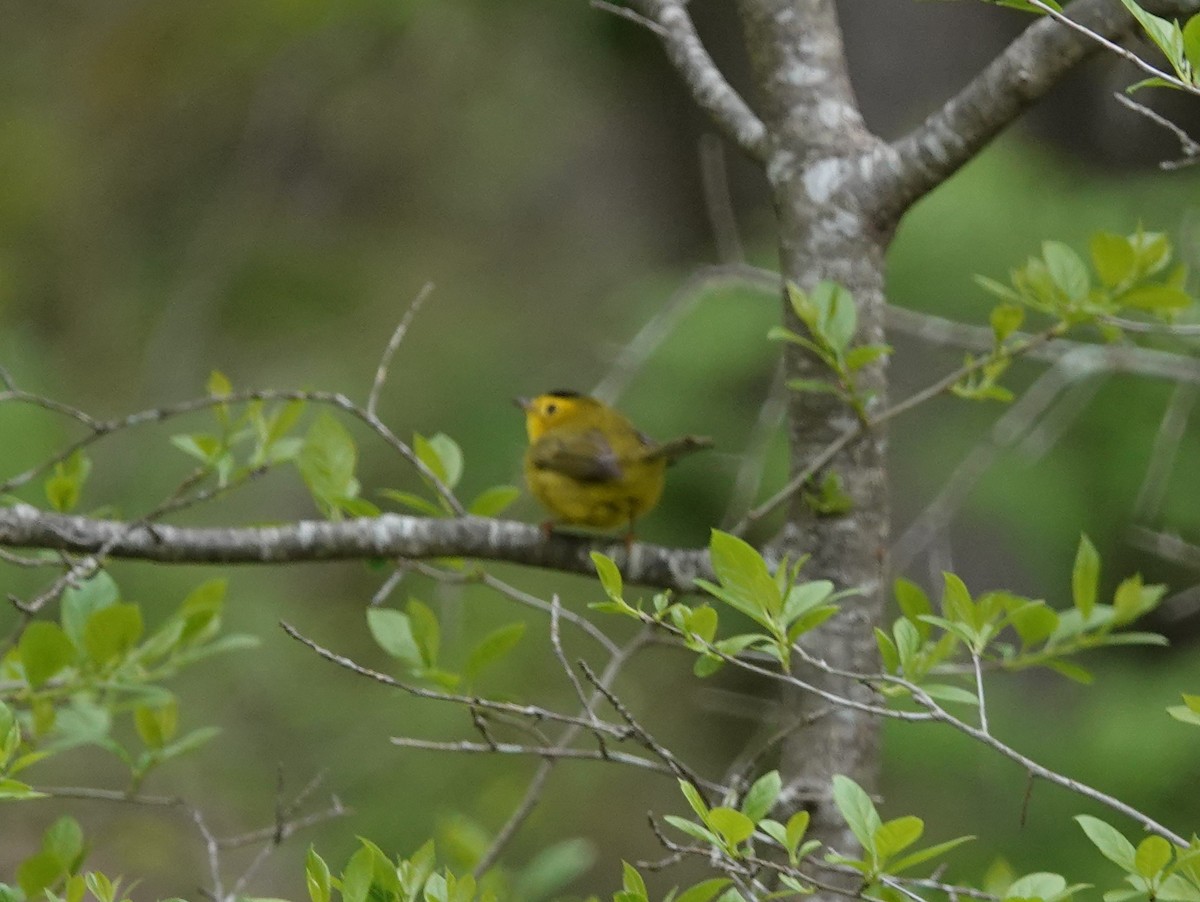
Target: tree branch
(712, 93)
(902, 172)
(386, 536)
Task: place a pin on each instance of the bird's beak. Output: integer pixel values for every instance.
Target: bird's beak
(523, 403)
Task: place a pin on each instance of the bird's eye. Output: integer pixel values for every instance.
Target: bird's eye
(551, 409)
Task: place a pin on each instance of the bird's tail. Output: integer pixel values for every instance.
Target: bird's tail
(680, 447)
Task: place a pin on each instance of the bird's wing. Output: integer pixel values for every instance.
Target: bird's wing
(587, 457)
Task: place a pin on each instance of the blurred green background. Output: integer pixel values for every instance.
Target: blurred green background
(263, 188)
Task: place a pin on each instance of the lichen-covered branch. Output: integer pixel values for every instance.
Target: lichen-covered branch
(902, 172)
(386, 536)
(711, 91)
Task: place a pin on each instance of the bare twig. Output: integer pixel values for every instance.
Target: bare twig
(534, 713)
(1114, 47)
(100, 429)
(754, 455)
(682, 301)
(979, 696)
(1014, 423)
(1167, 546)
(1188, 144)
(1162, 455)
(626, 13)
(398, 336)
(718, 202)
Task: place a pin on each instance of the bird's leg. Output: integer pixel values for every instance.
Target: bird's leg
(547, 529)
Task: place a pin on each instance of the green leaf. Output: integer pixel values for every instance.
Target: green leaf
(1034, 621)
(317, 877)
(1156, 298)
(694, 799)
(1085, 577)
(692, 829)
(112, 631)
(1185, 713)
(760, 797)
(490, 502)
(863, 355)
(156, 725)
(888, 653)
(45, 650)
(63, 840)
(16, 791)
(998, 288)
(356, 878)
(327, 462)
(797, 826)
(38, 872)
(747, 583)
(201, 611)
(1191, 43)
(631, 880)
(1067, 270)
(923, 855)
(858, 810)
(700, 625)
(1111, 843)
(1006, 319)
(494, 646)
(704, 891)
(1152, 855)
(442, 455)
(189, 741)
(425, 630)
(1113, 257)
(731, 825)
(946, 693)
(913, 603)
(65, 484)
(838, 317)
(1071, 671)
(80, 602)
(610, 575)
(393, 631)
(204, 448)
(1162, 32)
(413, 502)
(897, 835)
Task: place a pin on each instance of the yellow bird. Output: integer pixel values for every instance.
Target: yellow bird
(589, 466)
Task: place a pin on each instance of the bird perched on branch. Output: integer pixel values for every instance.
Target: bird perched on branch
(589, 466)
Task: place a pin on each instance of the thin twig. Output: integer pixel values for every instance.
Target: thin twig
(983, 718)
(681, 302)
(1116, 48)
(1162, 455)
(718, 202)
(626, 13)
(939, 714)
(532, 712)
(1188, 144)
(754, 455)
(533, 792)
(398, 336)
(1008, 429)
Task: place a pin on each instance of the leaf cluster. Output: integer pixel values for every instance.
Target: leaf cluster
(1008, 630)
(413, 638)
(64, 683)
(780, 603)
(830, 318)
